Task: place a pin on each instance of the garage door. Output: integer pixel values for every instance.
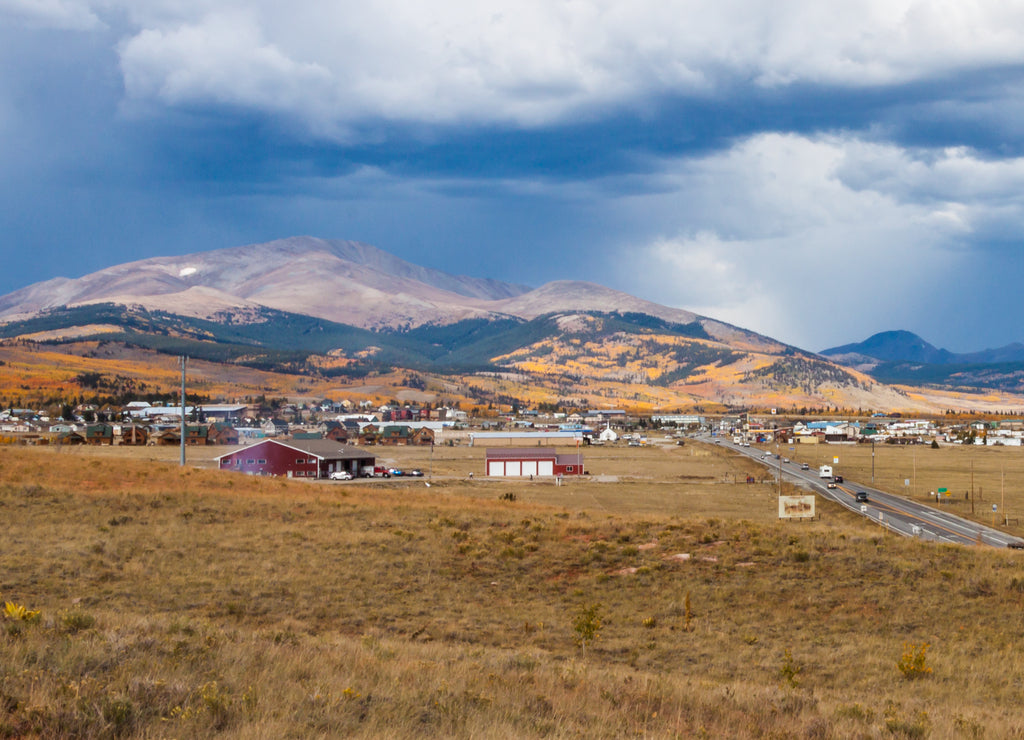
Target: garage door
(496, 468)
(513, 468)
(529, 467)
(545, 467)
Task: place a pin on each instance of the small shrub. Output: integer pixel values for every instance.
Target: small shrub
(969, 727)
(587, 625)
(790, 670)
(217, 701)
(507, 496)
(913, 662)
(650, 622)
(916, 727)
(119, 713)
(76, 621)
(19, 613)
(856, 712)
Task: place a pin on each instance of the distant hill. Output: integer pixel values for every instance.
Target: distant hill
(903, 357)
(893, 346)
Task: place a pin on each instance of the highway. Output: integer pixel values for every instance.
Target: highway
(895, 513)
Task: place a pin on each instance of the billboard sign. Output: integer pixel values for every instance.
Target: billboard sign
(796, 507)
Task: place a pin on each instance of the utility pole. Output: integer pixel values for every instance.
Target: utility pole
(872, 461)
(972, 486)
(779, 456)
(183, 360)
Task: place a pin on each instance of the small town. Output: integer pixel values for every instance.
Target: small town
(141, 423)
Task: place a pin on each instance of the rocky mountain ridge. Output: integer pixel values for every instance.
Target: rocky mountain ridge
(342, 281)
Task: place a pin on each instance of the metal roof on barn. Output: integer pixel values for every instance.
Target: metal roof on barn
(521, 453)
(325, 449)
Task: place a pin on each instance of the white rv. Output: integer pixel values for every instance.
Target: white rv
(825, 471)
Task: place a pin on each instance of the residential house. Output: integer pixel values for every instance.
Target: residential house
(369, 434)
(394, 434)
(275, 427)
(221, 433)
(336, 431)
(134, 434)
(99, 434)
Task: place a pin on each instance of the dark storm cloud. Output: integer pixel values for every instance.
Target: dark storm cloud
(720, 158)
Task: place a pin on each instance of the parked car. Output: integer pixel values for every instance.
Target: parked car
(340, 475)
(395, 472)
(416, 473)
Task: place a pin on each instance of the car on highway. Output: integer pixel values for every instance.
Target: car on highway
(837, 478)
(805, 466)
(830, 484)
(340, 475)
(862, 496)
(1016, 544)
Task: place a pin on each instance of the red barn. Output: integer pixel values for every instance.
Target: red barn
(512, 462)
(305, 458)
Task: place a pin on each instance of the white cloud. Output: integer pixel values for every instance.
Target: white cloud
(806, 239)
(64, 14)
(528, 62)
(224, 59)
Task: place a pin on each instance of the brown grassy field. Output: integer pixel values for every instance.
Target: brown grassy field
(188, 602)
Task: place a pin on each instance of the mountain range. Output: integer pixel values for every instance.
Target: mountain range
(342, 281)
(904, 357)
(342, 309)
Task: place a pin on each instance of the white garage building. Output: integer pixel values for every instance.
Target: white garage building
(519, 462)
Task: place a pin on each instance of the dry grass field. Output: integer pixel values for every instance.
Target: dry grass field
(660, 600)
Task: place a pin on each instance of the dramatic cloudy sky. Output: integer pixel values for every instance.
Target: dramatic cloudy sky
(817, 171)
